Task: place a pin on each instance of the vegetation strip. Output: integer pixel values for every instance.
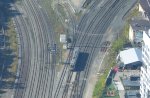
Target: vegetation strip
(117, 45)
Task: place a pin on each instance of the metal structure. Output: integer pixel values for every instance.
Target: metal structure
(74, 56)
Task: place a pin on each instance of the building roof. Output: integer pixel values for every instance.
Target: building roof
(137, 24)
(128, 82)
(132, 94)
(131, 55)
(146, 6)
(63, 38)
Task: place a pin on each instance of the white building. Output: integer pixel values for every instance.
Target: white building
(145, 69)
(63, 38)
(130, 58)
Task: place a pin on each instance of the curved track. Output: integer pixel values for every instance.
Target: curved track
(100, 28)
(36, 70)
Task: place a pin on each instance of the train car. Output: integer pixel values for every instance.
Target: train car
(74, 56)
(71, 86)
(73, 77)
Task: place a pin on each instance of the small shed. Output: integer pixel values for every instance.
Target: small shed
(130, 58)
(63, 38)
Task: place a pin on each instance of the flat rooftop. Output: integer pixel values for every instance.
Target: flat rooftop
(133, 53)
(128, 82)
(138, 24)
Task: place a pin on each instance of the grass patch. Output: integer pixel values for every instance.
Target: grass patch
(100, 85)
(78, 15)
(61, 11)
(13, 47)
(133, 13)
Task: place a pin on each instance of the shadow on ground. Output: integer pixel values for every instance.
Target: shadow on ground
(81, 61)
(7, 54)
(11, 85)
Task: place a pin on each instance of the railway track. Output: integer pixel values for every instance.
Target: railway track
(94, 18)
(39, 59)
(25, 47)
(43, 75)
(102, 29)
(35, 67)
(98, 42)
(37, 81)
(87, 31)
(51, 88)
(65, 70)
